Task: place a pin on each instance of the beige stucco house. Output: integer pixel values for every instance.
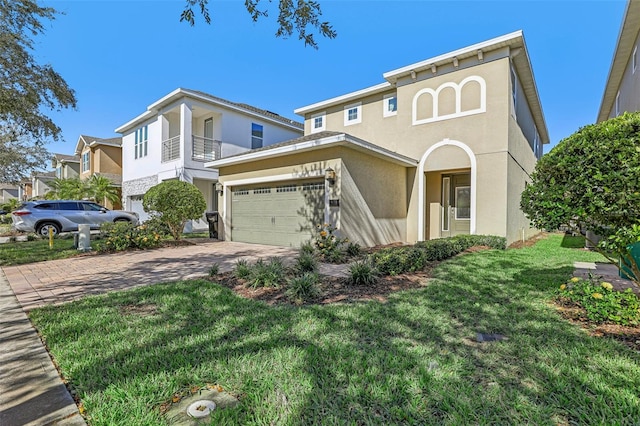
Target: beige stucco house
(622, 90)
(441, 147)
(102, 157)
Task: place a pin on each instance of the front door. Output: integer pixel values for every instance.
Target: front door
(456, 204)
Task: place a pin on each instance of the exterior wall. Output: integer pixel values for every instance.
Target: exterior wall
(108, 159)
(629, 88)
(137, 187)
(40, 187)
(363, 216)
(525, 121)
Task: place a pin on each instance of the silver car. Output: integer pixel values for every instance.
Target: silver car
(65, 216)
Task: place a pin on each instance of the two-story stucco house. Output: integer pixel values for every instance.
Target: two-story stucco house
(101, 157)
(441, 147)
(622, 90)
(66, 166)
(177, 134)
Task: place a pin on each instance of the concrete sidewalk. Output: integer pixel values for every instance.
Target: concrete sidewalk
(31, 391)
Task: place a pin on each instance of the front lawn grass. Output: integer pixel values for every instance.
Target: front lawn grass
(412, 360)
(21, 252)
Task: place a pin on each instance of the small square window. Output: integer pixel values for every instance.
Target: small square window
(390, 105)
(318, 122)
(353, 114)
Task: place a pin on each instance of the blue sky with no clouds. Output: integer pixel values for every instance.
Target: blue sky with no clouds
(120, 56)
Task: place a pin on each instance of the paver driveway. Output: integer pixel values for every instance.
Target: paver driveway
(63, 280)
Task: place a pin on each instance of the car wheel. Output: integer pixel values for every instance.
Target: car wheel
(43, 228)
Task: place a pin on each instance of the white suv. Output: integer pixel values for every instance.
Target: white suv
(65, 216)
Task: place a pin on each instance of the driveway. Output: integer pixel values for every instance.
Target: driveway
(64, 280)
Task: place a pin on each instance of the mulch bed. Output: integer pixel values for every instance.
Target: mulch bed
(334, 290)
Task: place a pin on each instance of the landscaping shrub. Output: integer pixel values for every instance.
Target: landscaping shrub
(267, 274)
(329, 246)
(353, 249)
(362, 272)
(307, 248)
(397, 260)
(306, 262)
(123, 236)
(214, 270)
(242, 270)
(600, 302)
(303, 288)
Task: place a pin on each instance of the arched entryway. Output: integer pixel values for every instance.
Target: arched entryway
(456, 186)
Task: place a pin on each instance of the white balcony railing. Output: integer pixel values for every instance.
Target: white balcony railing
(205, 149)
(171, 149)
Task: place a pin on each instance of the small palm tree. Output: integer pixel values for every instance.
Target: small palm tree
(67, 189)
(11, 205)
(101, 190)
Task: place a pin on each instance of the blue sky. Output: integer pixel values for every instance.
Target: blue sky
(120, 56)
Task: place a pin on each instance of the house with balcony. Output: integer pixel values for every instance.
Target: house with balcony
(179, 133)
(441, 147)
(622, 89)
(101, 157)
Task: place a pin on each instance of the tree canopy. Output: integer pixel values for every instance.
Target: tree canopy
(591, 180)
(27, 90)
(300, 16)
(174, 202)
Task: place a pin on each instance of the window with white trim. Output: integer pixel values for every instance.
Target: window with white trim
(634, 58)
(142, 136)
(85, 162)
(389, 105)
(617, 106)
(353, 114)
(318, 122)
(257, 135)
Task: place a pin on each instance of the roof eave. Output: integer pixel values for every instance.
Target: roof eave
(368, 91)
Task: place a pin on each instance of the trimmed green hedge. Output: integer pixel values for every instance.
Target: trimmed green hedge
(397, 260)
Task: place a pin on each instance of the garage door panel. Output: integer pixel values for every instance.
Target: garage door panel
(282, 214)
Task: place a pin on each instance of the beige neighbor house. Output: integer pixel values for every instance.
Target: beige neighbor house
(622, 91)
(101, 157)
(40, 184)
(441, 147)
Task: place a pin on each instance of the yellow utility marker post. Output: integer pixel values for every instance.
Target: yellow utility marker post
(50, 237)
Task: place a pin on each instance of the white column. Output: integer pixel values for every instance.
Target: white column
(185, 132)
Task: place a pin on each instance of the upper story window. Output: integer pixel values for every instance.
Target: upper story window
(389, 105)
(257, 135)
(59, 171)
(514, 91)
(634, 58)
(353, 114)
(617, 106)
(142, 136)
(318, 122)
(85, 162)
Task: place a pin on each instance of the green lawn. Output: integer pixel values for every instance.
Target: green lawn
(412, 360)
(21, 252)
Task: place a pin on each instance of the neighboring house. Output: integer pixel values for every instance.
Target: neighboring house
(102, 157)
(7, 192)
(40, 183)
(622, 91)
(25, 189)
(66, 166)
(441, 147)
(186, 128)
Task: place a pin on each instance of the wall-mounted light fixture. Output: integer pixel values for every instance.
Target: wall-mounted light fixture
(330, 176)
(219, 188)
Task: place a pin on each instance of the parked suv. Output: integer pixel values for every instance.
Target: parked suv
(65, 216)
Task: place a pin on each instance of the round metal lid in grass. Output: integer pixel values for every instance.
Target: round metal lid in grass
(201, 408)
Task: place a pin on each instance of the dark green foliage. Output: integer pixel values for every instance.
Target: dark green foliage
(307, 248)
(601, 303)
(303, 288)
(398, 260)
(306, 262)
(120, 236)
(362, 272)
(353, 249)
(267, 274)
(590, 180)
(242, 270)
(174, 203)
(214, 270)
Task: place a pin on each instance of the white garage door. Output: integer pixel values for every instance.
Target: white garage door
(283, 214)
(135, 205)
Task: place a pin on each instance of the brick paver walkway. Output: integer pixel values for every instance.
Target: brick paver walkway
(63, 280)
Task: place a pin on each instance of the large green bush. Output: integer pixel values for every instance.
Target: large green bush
(120, 236)
(591, 180)
(174, 203)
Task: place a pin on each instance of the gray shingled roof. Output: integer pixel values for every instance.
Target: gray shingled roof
(248, 107)
(65, 157)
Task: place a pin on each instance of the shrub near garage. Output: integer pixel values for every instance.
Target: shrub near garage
(120, 236)
(601, 303)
